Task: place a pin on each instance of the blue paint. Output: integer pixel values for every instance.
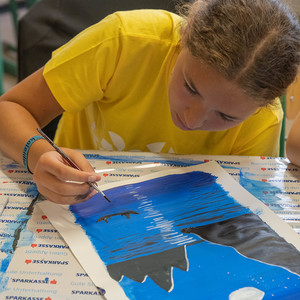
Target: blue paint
(145, 159)
(164, 205)
(12, 165)
(222, 266)
(214, 273)
(263, 191)
(26, 238)
(95, 205)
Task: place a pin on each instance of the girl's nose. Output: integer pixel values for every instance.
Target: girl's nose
(195, 116)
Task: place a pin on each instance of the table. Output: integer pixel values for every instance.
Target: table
(36, 263)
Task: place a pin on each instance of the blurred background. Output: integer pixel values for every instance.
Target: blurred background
(8, 36)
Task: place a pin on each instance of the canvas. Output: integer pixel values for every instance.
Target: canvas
(191, 232)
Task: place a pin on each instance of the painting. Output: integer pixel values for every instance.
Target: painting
(190, 232)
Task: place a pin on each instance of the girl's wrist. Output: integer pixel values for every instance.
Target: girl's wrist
(26, 149)
(38, 148)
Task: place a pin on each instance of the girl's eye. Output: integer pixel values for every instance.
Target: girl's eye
(189, 89)
(225, 117)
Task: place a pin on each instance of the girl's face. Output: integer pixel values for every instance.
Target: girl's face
(201, 99)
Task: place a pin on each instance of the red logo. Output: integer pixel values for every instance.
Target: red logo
(105, 174)
(28, 261)
(108, 162)
(48, 298)
(39, 230)
(10, 171)
(44, 217)
(33, 245)
(53, 281)
(264, 180)
(206, 160)
(263, 169)
(262, 157)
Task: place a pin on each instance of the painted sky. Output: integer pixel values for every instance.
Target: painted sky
(165, 206)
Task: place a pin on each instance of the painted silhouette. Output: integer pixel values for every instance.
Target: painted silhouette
(126, 213)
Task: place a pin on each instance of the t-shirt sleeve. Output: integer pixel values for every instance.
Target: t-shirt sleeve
(78, 72)
(260, 134)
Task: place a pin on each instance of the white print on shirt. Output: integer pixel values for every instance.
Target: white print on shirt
(155, 147)
(117, 140)
(119, 144)
(105, 145)
(95, 137)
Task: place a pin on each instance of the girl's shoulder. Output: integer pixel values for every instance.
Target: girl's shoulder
(157, 23)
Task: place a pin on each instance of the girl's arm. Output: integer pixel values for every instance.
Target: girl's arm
(293, 142)
(24, 108)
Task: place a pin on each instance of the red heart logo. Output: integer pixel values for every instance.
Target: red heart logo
(108, 162)
(206, 160)
(53, 281)
(33, 245)
(265, 192)
(44, 217)
(264, 180)
(263, 169)
(10, 171)
(262, 157)
(39, 230)
(28, 261)
(5, 182)
(48, 298)
(105, 174)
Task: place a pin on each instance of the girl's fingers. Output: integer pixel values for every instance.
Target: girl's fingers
(80, 160)
(65, 199)
(60, 183)
(54, 164)
(61, 187)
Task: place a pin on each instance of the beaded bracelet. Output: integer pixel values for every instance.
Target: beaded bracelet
(26, 149)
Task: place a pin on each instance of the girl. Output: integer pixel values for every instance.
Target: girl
(150, 80)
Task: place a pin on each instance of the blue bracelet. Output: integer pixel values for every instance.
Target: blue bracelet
(26, 149)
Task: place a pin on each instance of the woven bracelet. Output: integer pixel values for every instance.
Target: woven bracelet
(26, 149)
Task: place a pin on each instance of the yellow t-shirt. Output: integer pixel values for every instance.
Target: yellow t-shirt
(112, 81)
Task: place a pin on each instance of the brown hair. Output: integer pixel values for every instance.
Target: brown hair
(255, 43)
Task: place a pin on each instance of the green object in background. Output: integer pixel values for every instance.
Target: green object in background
(1, 70)
(282, 134)
(13, 7)
(9, 65)
(29, 3)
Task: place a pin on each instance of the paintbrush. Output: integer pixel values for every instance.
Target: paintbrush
(69, 161)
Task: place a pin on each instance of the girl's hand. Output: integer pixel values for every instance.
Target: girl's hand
(59, 182)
